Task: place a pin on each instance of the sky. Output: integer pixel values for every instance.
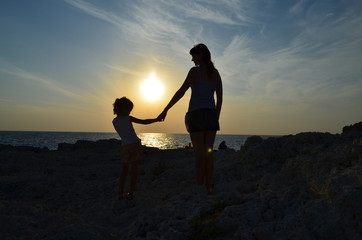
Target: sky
(287, 66)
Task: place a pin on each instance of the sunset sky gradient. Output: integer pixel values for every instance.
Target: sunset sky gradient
(288, 66)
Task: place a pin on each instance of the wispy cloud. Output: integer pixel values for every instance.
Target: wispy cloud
(205, 11)
(125, 70)
(96, 12)
(168, 23)
(70, 95)
(146, 21)
(46, 82)
(5, 100)
(311, 63)
(321, 60)
(297, 8)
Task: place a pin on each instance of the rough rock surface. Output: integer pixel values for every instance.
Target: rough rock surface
(353, 129)
(304, 186)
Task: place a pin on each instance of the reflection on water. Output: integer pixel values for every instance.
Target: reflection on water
(163, 140)
(172, 141)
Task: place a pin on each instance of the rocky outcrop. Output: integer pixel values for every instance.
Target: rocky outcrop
(353, 129)
(304, 186)
(87, 145)
(23, 148)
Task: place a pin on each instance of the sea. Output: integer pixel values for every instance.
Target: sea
(158, 140)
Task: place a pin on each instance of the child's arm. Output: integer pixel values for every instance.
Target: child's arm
(144, 121)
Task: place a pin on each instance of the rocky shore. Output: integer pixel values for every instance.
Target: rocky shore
(304, 186)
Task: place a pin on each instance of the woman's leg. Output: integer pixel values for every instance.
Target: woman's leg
(209, 138)
(198, 144)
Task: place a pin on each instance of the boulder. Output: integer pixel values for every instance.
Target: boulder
(103, 144)
(353, 129)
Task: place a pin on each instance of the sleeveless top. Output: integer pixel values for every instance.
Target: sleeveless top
(124, 128)
(202, 95)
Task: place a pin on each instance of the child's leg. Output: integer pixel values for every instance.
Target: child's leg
(122, 179)
(134, 175)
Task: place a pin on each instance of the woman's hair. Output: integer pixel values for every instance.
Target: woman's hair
(206, 56)
(122, 106)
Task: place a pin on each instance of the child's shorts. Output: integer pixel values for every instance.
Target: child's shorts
(204, 119)
(132, 152)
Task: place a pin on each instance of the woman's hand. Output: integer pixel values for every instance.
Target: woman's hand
(162, 116)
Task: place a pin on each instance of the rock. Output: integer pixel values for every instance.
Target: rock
(303, 186)
(353, 129)
(23, 148)
(252, 141)
(86, 144)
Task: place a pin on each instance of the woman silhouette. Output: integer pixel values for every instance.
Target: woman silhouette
(202, 118)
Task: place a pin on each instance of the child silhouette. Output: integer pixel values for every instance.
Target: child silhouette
(131, 150)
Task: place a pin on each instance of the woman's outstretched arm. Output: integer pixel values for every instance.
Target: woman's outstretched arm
(179, 94)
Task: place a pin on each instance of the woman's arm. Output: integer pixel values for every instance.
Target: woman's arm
(219, 93)
(179, 93)
(144, 121)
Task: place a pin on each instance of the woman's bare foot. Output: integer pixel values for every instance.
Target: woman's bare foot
(127, 196)
(210, 190)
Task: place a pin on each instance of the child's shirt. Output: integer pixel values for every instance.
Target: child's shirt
(124, 128)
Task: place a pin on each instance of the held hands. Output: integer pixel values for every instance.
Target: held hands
(162, 116)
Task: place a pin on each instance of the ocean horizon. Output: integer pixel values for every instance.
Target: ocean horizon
(51, 139)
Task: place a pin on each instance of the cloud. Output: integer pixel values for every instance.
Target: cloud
(172, 25)
(5, 100)
(297, 8)
(203, 10)
(96, 12)
(319, 56)
(322, 59)
(125, 70)
(49, 83)
(236, 63)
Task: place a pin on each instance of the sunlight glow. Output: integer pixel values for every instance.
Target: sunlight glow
(152, 88)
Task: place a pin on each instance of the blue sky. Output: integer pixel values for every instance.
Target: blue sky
(287, 66)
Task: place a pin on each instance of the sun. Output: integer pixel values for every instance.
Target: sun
(152, 88)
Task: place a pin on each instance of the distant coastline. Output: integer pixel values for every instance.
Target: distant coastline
(51, 139)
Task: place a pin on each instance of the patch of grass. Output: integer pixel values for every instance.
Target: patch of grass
(158, 168)
(206, 227)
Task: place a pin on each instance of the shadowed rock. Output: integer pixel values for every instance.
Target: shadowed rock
(303, 186)
(86, 144)
(353, 129)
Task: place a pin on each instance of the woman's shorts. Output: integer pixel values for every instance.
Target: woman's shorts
(204, 119)
(132, 152)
